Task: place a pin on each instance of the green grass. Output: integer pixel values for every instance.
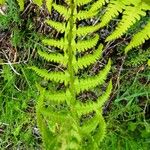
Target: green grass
(17, 116)
(18, 93)
(11, 17)
(128, 119)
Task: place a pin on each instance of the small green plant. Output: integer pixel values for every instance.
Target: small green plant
(137, 59)
(66, 122)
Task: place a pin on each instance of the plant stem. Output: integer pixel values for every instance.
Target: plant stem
(71, 53)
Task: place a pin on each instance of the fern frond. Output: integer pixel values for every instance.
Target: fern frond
(139, 38)
(89, 125)
(55, 97)
(96, 125)
(21, 4)
(113, 10)
(60, 27)
(101, 131)
(84, 45)
(61, 111)
(98, 4)
(59, 77)
(76, 132)
(54, 120)
(62, 10)
(82, 31)
(72, 136)
(41, 122)
(91, 82)
(103, 98)
(130, 16)
(52, 57)
(89, 59)
(89, 107)
(49, 5)
(55, 117)
(84, 14)
(61, 44)
(38, 2)
(52, 97)
(82, 2)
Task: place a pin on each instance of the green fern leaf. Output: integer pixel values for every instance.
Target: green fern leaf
(57, 58)
(49, 5)
(59, 77)
(113, 10)
(102, 99)
(38, 2)
(21, 4)
(60, 27)
(89, 107)
(41, 121)
(83, 2)
(90, 125)
(98, 124)
(101, 131)
(56, 97)
(147, 2)
(92, 11)
(145, 6)
(139, 59)
(53, 97)
(86, 14)
(139, 38)
(131, 15)
(84, 45)
(82, 31)
(62, 10)
(55, 116)
(56, 43)
(91, 82)
(98, 4)
(89, 59)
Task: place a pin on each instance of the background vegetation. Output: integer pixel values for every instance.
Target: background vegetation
(127, 112)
